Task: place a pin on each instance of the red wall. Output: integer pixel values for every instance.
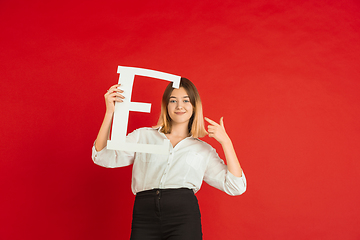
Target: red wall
(285, 76)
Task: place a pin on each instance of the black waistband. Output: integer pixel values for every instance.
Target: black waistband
(157, 191)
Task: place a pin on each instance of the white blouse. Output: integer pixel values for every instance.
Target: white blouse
(188, 163)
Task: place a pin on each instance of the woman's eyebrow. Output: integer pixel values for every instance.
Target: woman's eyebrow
(186, 96)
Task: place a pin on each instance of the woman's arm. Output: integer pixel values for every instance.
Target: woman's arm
(218, 132)
(113, 95)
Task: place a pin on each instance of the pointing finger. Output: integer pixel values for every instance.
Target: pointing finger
(211, 121)
(222, 121)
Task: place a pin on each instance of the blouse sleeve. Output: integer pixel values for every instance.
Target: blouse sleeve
(113, 158)
(218, 176)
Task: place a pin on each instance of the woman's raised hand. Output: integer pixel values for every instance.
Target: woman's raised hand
(217, 131)
(111, 96)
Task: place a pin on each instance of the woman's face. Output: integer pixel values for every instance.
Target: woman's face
(179, 107)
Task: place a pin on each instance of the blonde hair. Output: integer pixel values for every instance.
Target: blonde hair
(196, 125)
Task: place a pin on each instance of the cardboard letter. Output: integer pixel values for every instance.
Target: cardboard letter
(121, 114)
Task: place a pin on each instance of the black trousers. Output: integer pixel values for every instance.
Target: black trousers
(171, 214)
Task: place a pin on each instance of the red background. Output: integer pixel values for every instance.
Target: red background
(285, 76)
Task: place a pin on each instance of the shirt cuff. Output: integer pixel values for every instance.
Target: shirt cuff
(238, 183)
(95, 153)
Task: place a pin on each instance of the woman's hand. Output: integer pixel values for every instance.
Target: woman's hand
(217, 131)
(113, 95)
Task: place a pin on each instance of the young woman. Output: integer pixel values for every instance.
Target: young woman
(165, 205)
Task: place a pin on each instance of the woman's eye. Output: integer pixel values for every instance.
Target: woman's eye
(172, 101)
(186, 101)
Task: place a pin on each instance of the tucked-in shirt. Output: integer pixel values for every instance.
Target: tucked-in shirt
(187, 165)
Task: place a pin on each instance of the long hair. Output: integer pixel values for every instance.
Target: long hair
(196, 125)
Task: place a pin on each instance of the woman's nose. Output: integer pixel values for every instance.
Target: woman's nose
(179, 105)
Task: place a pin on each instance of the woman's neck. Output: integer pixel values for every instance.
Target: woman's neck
(179, 130)
(178, 133)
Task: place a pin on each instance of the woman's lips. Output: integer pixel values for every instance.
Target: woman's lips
(179, 113)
